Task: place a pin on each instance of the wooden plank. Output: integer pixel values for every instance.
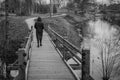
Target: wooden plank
(46, 64)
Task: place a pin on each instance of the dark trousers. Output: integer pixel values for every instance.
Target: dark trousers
(39, 36)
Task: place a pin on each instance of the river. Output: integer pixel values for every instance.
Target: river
(99, 34)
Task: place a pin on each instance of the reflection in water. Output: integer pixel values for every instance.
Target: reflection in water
(98, 32)
(101, 30)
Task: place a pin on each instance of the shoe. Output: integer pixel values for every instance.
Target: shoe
(40, 44)
(37, 45)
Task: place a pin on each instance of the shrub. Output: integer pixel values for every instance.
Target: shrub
(54, 9)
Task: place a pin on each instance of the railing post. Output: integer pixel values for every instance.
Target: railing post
(31, 27)
(21, 54)
(85, 64)
(22, 63)
(64, 54)
(63, 49)
(32, 33)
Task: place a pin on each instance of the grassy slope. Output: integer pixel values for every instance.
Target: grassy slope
(18, 28)
(17, 31)
(79, 22)
(64, 28)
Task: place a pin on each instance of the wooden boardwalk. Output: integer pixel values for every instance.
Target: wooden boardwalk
(46, 63)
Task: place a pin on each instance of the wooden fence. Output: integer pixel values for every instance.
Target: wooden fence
(70, 52)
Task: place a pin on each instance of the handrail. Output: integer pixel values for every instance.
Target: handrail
(75, 53)
(71, 50)
(29, 41)
(65, 40)
(28, 48)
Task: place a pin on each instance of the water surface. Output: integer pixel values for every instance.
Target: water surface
(98, 33)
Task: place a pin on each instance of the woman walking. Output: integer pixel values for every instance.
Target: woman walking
(39, 26)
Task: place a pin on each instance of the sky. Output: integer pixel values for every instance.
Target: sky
(103, 1)
(1, 0)
(47, 1)
(99, 1)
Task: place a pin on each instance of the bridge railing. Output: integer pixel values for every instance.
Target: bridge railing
(22, 63)
(71, 55)
(67, 51)
(28, 46)
(28, 50)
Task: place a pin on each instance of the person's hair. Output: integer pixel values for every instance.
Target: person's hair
(39, 19)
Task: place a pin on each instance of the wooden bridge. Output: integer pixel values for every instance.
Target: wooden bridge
(57, 59)
(46, 64)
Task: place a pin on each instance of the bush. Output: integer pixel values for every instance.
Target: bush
(54, 9)
(44, 9)
(10, 50)
(70, 6)
(1, 15)
(40, 8)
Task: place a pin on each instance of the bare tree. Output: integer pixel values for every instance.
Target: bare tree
(114, 1)
(110, 59)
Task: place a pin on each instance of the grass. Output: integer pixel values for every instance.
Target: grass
(17, 32)
(66, 29)
(56, 25)
(18, 28)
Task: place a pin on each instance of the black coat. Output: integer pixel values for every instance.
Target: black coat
(39, 26)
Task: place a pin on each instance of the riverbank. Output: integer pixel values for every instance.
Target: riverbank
(113, 19)
(69, 30)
